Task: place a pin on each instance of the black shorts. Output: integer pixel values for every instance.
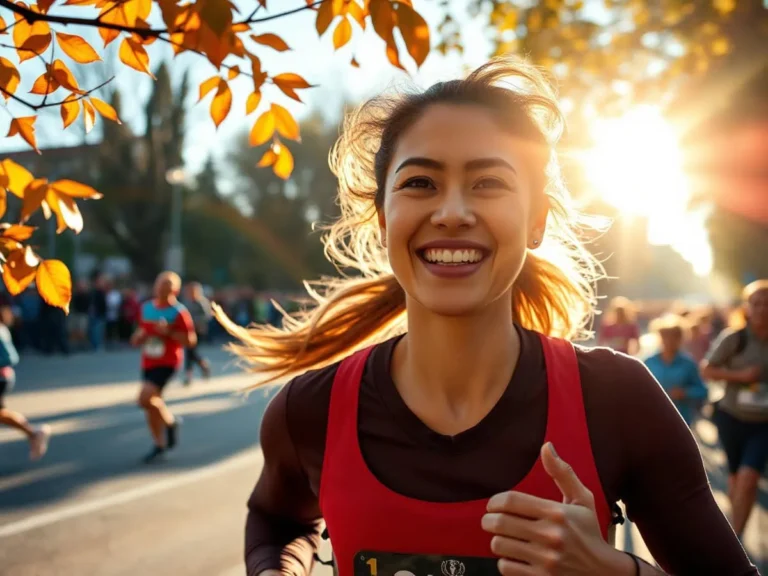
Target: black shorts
(745, 443)
(159, 375)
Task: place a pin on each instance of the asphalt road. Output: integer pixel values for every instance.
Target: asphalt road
(90, 507)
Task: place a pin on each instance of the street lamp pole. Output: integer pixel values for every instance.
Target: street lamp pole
(174, 259)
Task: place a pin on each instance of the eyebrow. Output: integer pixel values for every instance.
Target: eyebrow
(477, 164)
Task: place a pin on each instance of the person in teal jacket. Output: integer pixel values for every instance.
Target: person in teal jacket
(676, 371)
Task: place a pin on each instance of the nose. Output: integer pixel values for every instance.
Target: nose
(453, 210)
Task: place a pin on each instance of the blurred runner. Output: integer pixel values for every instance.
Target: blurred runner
(675, 370)
(200, 308)
(165, 329)
(442, 421)
(38, 437)
(740, 358)
(618, 329)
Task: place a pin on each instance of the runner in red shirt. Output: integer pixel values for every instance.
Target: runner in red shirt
(165, 329)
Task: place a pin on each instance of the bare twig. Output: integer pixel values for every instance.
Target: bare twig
(251, 20)
(21, 49)
(48, 74)
(255, 11)
(36, 107)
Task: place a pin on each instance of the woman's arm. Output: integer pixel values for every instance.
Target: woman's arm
(665, 486)
(283, 526)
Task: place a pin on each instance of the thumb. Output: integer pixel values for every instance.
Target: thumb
(574, 492)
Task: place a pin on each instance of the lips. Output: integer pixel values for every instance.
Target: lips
(452, 258)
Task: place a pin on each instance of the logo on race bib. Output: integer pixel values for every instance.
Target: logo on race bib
(452, 568)
(754, 397)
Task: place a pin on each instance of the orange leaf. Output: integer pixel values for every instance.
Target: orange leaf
(17, 271)
(289, 83)
(267, 159)
(383, 19)
(254, 98)
(14, 177)
(3, 26)
(3, 202)
(324, 17)
(76, 48)
(207, 86)
(67, 213)
(34, 194)
(283, 167)
(18, 232)
(415, 33)
(30, 39)
(70, 110)
(45, 84)
(34, 46)
(111, 15)
(45, 5)
(393, 56)
(356, 11)
(64, 76)
(54, 283)
(105, 110)
(75, 189)
(25, 127)
(133, 55)
(355, 63)
(221, 103)
(271, 40)
(9, 77)
(342, 33)
(234, 72)
(89, 116)
(263, 129)
(285, 124)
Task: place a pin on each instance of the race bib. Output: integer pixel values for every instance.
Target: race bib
(154, 348)
(369, 563)
(753, 397)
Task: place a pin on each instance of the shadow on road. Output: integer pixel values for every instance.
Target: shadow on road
(220, 425)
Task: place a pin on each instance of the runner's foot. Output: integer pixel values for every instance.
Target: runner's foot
(172, 433)
(154, 454)
(38, 443)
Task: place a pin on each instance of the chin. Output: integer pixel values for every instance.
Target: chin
(451, 303)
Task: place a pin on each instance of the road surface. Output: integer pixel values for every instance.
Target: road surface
(91, 508)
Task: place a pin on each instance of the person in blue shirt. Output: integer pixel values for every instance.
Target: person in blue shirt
(9, 357)
(675, 370)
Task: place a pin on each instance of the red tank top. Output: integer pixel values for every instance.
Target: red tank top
(378, 532)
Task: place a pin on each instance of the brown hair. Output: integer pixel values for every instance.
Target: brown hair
(554, 293)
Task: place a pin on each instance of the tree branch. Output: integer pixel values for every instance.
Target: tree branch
(36, 107)
(252, 20)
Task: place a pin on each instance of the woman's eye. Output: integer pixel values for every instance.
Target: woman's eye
(417, 183)
(491, 183)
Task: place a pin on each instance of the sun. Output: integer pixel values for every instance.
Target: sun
(636, 165)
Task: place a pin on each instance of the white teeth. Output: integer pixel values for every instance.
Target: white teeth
(445, 256)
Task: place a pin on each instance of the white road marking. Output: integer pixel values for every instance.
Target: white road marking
(251, 458)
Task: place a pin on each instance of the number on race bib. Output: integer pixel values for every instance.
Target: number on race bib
(154, 348)
(753, 397)
(368, 563)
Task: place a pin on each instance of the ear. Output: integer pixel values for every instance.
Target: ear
(382, 226)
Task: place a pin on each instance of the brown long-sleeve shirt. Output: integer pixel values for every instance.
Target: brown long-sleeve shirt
(644, 452)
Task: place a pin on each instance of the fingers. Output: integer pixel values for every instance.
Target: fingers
(529, 553)
(574, 492)
(525, 505)
(513, 568)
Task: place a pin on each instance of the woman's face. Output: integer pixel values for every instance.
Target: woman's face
(458, 212)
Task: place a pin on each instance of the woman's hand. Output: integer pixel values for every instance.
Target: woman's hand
(538, 537)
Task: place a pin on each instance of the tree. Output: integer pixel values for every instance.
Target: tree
(213, 29)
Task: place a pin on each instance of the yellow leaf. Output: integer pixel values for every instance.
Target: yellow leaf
(271, 40)
(18, 232)
(14, 177)
(34, 194)
(77, 48)
(75, 189)
(221, 103)
(283, 167)
(267, 159)
(342, 33)
(356, 11)
(3, 202)
(105, 110)
(383, 18)
(54, 283)
(289, 83)
(263, 129)
(9, 77)
(415, 33)
(45, 84)
(207, 86)
(254, 98)
(64, 76)
(67, 213)
(3, 25)
(234, 72)
(133, 55)
(17, 272)
(70, 110)
(285, 124)
(25, 127)
(89, 116)
(720, 46)
(30, 39)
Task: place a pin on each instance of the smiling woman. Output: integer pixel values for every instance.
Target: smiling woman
(473, 440)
